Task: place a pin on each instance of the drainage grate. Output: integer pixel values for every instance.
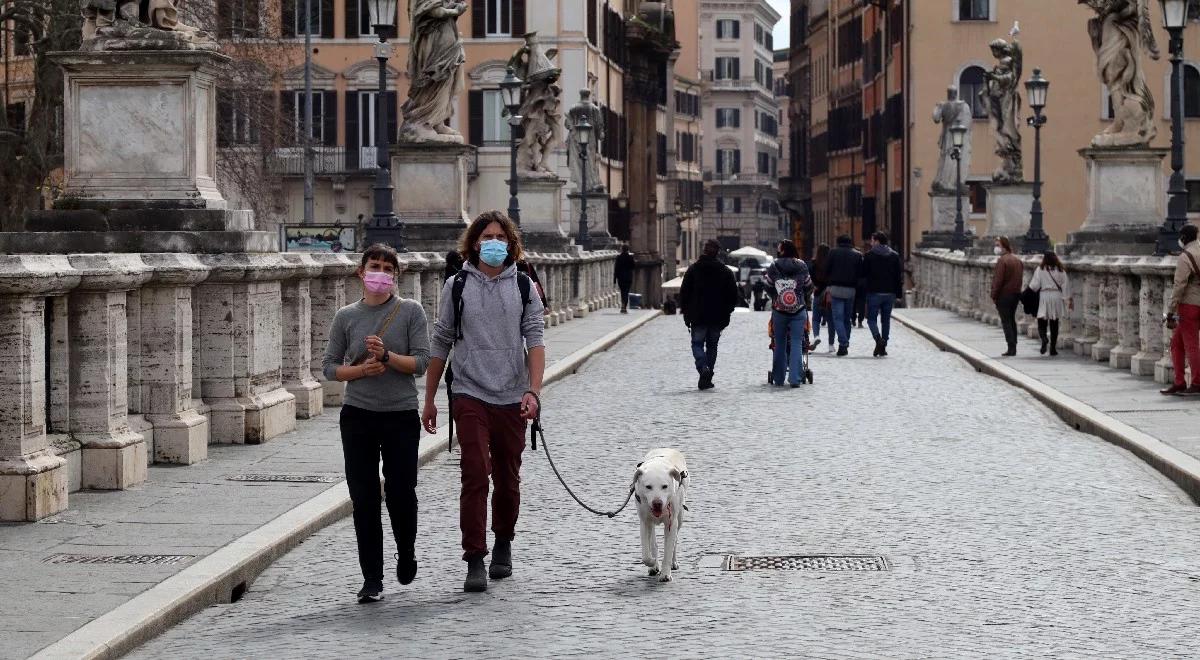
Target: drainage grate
(159, 560)
(807, 563)
(289, 478)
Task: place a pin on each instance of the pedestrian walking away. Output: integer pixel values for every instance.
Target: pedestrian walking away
(1183, 314)
(790, 288)
(377, 346)
(707, 298)
(1053, 285)
(883, 274)
(1006, 290)
(494, 323)
(623, 276)
(822, 301)
(844, 272)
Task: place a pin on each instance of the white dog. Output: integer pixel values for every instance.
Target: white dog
(659, 484)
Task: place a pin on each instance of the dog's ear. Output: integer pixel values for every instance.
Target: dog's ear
(675, 474)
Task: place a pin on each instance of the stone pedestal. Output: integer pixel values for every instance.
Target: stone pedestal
(113, 455)
(541, 209)
(180, 431)
(1125, 202)
(597, 208)
(1008, 207)
(296, 295)
(69, 229)
(430, 181)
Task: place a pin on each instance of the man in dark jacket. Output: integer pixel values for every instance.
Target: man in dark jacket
(707, 298)
(843, 272)
(623, 275)
(884, 276)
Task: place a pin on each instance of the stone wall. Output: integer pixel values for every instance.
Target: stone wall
(1119, 303)
(111, 362)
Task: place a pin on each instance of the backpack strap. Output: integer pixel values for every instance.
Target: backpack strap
(524, 284)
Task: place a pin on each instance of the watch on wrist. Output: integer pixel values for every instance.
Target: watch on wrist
(384, 359)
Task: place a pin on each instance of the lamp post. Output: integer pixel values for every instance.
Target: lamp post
(510, 92)
(583, 133)
(1175, 15)
(958, 133)
(1036, 88)
(384, 227)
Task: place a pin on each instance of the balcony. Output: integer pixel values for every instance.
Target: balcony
(326, 160)
(742, 178)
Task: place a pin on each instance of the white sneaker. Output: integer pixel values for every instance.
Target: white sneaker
(832, 348)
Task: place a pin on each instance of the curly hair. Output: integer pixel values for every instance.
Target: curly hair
(466, 244)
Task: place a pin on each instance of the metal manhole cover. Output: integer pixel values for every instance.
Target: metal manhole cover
(807, 563)
(159, 560)
(288, 478)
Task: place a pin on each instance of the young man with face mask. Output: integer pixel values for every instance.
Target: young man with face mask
(1184, 312)
(499, 360)
(377, 345)
(1006, 291)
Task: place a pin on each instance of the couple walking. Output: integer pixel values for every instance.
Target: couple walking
(380, 344)
(839, 274)
(1050, 284)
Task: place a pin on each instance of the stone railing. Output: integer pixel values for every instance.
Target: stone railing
(111, 362)
(1119, 303)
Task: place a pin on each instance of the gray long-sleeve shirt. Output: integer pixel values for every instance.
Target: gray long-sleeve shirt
(489, 361)
(407, 334)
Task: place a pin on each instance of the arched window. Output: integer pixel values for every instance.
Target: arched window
(1191, 91)
(970, 84)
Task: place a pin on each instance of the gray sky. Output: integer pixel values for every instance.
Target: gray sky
(781, 28)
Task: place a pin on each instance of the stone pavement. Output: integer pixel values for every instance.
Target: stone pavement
(191, 511)
(1010, 535)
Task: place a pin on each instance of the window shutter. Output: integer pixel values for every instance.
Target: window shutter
(287, 22)
(737, 68)
(287, 110)
(393, 107)
(352, 143)
(326, 18)
(225, 19)
(737, 161)
(720, 161)
(478, 19)
(475, 117)
(737, 204)
(591, 22)
(329, 117)
(518, 18)
(352, 26)
(737, 29)
(737, 117)
(225, 130)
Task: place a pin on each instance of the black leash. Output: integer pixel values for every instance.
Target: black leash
(535, 430)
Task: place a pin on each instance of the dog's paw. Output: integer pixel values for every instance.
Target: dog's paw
(655, 568)
(665, 577)
(675, 565)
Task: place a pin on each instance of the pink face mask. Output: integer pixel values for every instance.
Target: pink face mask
(378, 281)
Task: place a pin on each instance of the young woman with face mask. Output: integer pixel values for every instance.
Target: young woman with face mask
(377, 346)
(499, 360)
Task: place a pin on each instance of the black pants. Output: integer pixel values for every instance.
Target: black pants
(624, 286)
(1007, 305)
(1042, 323)
(367, 435)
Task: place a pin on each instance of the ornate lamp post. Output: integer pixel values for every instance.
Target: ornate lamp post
(1175, 16)
(1036, 88)
(384, 226)
(583, 132)
(510, 93)
(958, 133)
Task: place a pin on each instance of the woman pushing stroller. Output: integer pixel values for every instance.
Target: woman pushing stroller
(790, 288)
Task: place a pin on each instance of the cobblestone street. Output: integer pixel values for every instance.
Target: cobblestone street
(1008, 534)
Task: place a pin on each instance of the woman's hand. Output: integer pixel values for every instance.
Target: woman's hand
(373, 367)
(429, 416)
(375, 347)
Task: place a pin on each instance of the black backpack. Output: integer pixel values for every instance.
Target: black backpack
(456, 296)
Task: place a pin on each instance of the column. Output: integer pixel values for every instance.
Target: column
(1128, 315)
(432, 282)
(327, 295)
(1150, 272)
(1106, 303)
(296, 356)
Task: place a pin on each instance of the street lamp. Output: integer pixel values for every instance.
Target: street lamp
(384, 226)
(1175, 14)
(1036, 88)
(510, 92)
(583, 133)
(958, 133)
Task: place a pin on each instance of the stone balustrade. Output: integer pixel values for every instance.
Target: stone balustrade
(1119, 303)
(111, 362)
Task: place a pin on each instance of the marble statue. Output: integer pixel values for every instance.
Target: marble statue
(595, 117)
(1120, 32)
(435, 63)
(541, 114)
(948, 113)
(1002, 99)
(117, 25)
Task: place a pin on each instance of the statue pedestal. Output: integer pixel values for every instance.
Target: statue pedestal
(942, 209)
(1008, 207)
(541, 208)
(430, 181)
(139, 129)
(597, 211)
(1125, 202)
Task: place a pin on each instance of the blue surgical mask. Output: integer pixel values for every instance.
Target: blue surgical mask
(493, 252)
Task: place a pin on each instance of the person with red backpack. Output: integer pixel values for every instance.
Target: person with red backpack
(790, 288)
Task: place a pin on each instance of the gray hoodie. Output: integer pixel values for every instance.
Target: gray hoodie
(489, 360)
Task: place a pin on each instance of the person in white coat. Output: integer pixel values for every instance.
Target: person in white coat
(1050, 280)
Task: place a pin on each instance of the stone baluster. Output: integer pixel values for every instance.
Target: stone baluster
(562, 297)
(566, 310)
(1128, 314)
(1149, 315)
(433, 280)
(239, 308)
(33, 478)
(983, 309)
(353, 283)
(967, 288)
(1164, 369)
(1107, 311)
(1089, 332)
(180, 432)
(409, 280)
(113, 456)
(296, 357)
(328, 294)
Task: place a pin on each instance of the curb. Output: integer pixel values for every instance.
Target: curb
(224, 575)
(1179, 467)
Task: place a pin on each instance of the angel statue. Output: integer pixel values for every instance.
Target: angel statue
(1002, 99)
(435, 63)
(1120, 32)
(541, 109)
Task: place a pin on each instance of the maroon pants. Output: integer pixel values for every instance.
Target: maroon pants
(1185, 344)
(491, 439)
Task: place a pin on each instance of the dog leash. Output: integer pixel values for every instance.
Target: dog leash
(535, 430)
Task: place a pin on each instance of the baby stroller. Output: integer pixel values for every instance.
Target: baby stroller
(808, 349)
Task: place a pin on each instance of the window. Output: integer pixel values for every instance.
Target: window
(729, 205)
(728, 28)
(764, 75)
(977, 196)
(237, 117)
(727, 68)
(319, 111)
(687, 103)
(764, 163)
(495, 127)
(729, 161)
(768, 124)
(729, 118)
(592, 22)
(1191, 92)
(293, 18)
(970, 84)
(238, 19)
(974, 10)
(758, 34)
(360, 18)
(497, 18)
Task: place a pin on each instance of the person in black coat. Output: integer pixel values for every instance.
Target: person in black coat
(707, 298)
(883, 276)
(623, 276)
(843, 272)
